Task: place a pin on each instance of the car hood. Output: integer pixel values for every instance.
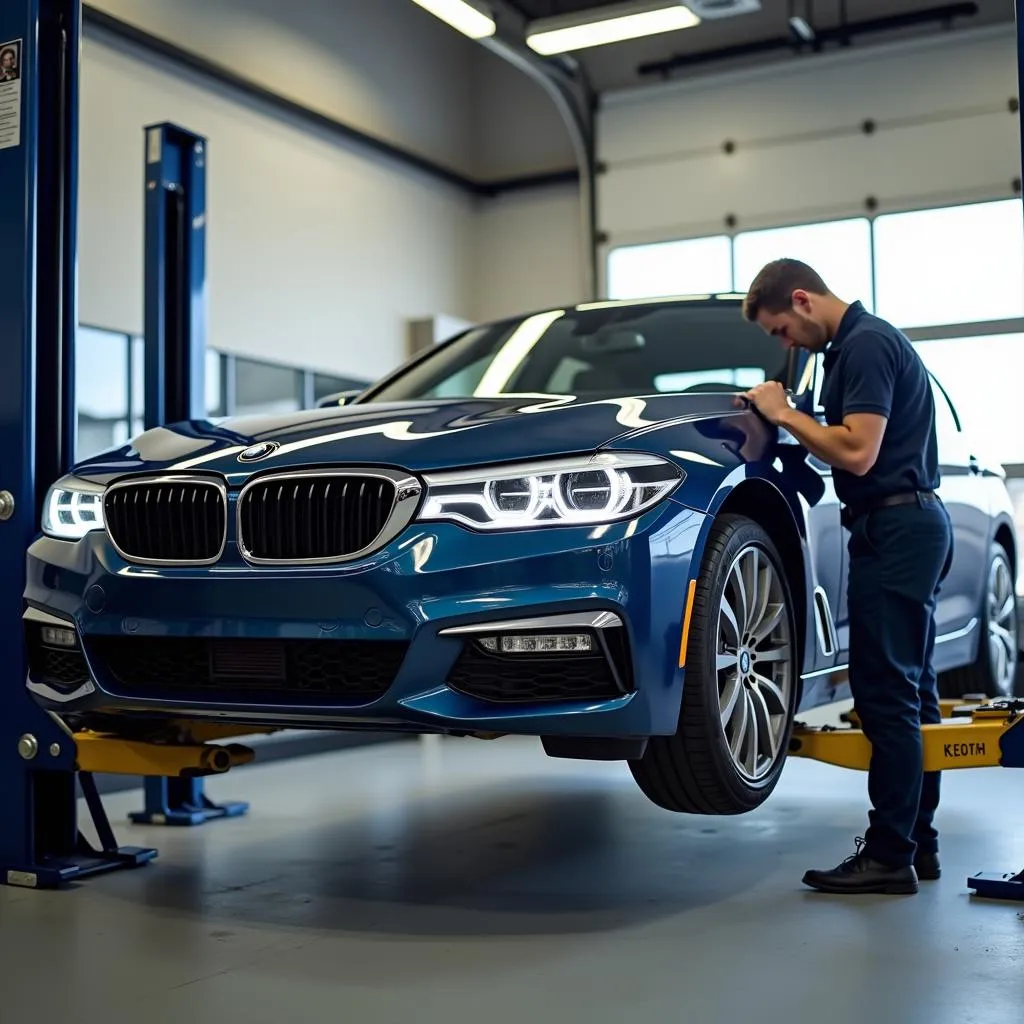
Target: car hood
(422, 436)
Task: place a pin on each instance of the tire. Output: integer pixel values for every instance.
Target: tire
(694, 771)
(994, 671)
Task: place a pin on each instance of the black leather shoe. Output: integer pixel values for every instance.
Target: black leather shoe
(860, 874)
(927, 866)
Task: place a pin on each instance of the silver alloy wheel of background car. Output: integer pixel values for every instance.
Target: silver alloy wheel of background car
(754, 663)
(1001, 609)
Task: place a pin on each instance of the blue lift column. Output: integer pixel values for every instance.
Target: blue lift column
(40, 843)
(175, 315)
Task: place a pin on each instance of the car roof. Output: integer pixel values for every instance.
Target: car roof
(728, 299)
(724, 298)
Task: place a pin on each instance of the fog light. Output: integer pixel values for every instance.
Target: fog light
(544, 643)
(54, 637)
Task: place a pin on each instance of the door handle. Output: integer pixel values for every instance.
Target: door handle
(974, 466)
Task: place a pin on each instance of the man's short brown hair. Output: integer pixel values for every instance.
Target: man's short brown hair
(772, 289)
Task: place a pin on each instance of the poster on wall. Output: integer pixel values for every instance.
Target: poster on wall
(10, 94)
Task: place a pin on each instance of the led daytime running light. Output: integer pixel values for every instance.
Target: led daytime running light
(71, 510)
(569, 492)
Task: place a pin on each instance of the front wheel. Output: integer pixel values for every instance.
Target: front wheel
(740, 690)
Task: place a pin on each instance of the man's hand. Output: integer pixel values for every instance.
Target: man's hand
(770, 400)
(852, 445)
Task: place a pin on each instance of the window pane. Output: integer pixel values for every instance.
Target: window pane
(596, 350)
(839, 250)
(214, 389)
(214, 394)
(957, 265)
(691, 380)
(101, 390)
(138, 385)
(694, 266)
(265, 388)
(987, 401)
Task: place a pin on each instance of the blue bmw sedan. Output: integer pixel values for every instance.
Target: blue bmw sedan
(566, 525)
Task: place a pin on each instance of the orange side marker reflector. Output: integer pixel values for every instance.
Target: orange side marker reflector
(686, 623)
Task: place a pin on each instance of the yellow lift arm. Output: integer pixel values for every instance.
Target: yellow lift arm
(184, 750)
(981, 735)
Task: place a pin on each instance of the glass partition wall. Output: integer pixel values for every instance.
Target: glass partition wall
(110, 392)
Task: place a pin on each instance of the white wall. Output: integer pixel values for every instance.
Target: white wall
(944, 135)
(317, 253)
(527, 245)
(527, 253)
(384, 66)
(359, 245)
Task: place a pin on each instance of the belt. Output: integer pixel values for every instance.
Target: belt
(850, 513)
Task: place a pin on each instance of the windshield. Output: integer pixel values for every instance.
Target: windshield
(598, 351)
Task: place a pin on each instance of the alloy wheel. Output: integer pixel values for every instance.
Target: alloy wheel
(754, 663)
(1002, 627)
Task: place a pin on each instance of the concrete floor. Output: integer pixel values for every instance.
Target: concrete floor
(470, 881)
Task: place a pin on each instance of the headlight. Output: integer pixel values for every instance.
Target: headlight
(72, 509)
(562, 492)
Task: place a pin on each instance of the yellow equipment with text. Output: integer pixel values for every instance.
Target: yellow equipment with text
(978, 736)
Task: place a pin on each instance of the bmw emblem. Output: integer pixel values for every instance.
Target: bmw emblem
(258, 451)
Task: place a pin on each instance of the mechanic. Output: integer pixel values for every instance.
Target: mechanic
(879, 438)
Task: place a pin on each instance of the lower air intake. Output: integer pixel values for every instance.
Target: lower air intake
(350, 670)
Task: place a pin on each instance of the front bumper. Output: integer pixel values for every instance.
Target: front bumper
(381, 644)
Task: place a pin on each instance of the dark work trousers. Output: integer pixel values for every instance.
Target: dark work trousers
(899, 555)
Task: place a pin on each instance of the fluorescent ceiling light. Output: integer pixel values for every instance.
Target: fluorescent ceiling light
(611, 24)
(462, 16)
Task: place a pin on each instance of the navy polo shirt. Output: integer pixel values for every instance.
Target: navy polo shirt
(870, 366)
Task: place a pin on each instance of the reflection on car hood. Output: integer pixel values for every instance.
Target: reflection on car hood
(421, 436)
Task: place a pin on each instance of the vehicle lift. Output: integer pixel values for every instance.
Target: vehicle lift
(42, 762)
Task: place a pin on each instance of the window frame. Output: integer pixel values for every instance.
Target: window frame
(227, 403)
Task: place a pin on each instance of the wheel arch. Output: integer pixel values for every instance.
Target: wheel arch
(762, 501)
(1006, 538)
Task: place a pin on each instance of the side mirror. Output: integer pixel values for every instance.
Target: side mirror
(338, 398)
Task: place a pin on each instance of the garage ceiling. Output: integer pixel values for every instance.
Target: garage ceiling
(712, 45)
